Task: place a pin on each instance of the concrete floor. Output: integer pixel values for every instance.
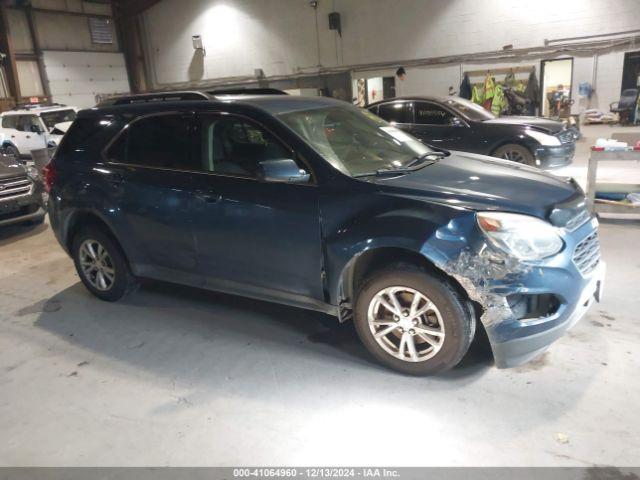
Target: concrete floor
(175, 376)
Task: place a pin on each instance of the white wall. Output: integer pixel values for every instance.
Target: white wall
(279, 36)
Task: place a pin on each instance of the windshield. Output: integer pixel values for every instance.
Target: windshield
(59, 116)
(471, 110)
(353, 140)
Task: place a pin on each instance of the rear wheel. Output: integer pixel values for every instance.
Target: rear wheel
(412, 321)
(515, 153)
(101, 265)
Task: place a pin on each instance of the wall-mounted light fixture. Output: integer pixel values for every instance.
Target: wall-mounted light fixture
(196, 40)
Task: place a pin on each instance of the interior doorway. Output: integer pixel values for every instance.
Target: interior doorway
(631, 71)
(370, 90)
(556, 79)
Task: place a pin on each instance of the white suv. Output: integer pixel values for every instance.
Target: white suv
(34, 127)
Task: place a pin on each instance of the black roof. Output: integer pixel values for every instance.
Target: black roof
(149, 103)
(410, 98)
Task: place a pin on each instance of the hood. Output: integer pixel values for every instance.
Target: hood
(551, 126)
(9, 167)
(478, 182)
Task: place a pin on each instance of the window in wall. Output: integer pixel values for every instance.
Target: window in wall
(396, 112)
(29, 78)
(431, 114)
(4, 89)
(234, 146)
(101, 30)
(161, 141)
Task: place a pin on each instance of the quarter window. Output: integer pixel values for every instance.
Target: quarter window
(431, 114)
(234, 146)
(396, 112)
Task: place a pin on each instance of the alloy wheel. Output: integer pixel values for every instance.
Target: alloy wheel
(97, 265)
(514, 156)
(406, 324)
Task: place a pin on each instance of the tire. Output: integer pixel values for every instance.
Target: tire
(116, 274)
(12, 150)
(515, 153)
(452, 318)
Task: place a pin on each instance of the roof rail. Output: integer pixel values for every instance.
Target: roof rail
(246, 91)
(154, 97)
(31, 106)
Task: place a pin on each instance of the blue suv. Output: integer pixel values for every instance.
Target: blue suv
(314, 203)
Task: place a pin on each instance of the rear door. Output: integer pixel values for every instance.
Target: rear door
(150, 177)
(437, 126)
(253, 236)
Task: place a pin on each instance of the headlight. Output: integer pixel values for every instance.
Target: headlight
(33, 173)
(524, 237)
(544, 138)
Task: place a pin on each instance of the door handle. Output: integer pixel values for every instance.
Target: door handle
(115, 178)
(208, 197)
(28, 136)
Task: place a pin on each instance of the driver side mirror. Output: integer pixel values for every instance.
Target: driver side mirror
(36, 129)
(456, 122)
(282, 171)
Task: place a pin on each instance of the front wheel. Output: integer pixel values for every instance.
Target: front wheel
(413, 322)
(12, 150)
(516, 153)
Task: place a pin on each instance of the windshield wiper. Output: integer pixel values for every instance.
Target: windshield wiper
(395, 171)
(435, 157)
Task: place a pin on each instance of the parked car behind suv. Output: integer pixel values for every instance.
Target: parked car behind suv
(314, 203)
(454, 123)
(33, 127)
(22, 196)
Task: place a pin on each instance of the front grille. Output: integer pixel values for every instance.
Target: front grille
(566, 136)
(586, 256)
(15, 187)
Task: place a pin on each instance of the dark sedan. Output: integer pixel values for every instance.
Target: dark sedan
(453, 123)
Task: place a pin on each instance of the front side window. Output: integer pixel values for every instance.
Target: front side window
(432, 114)
(354, 140)
(234, 146)
(161, 141)
(29, 121)
(468, 109)
(396, 112)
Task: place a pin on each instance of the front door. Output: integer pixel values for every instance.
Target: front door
(151, 180)
(254, 237)
(31, 135)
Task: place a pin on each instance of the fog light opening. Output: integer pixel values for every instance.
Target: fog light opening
(528, 307)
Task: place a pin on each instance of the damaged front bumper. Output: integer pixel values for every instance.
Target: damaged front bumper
(526, 305)
(517, 342)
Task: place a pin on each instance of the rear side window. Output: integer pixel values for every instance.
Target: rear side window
(10, 121)
(396, 112)
(89, 133)
(162, 141)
